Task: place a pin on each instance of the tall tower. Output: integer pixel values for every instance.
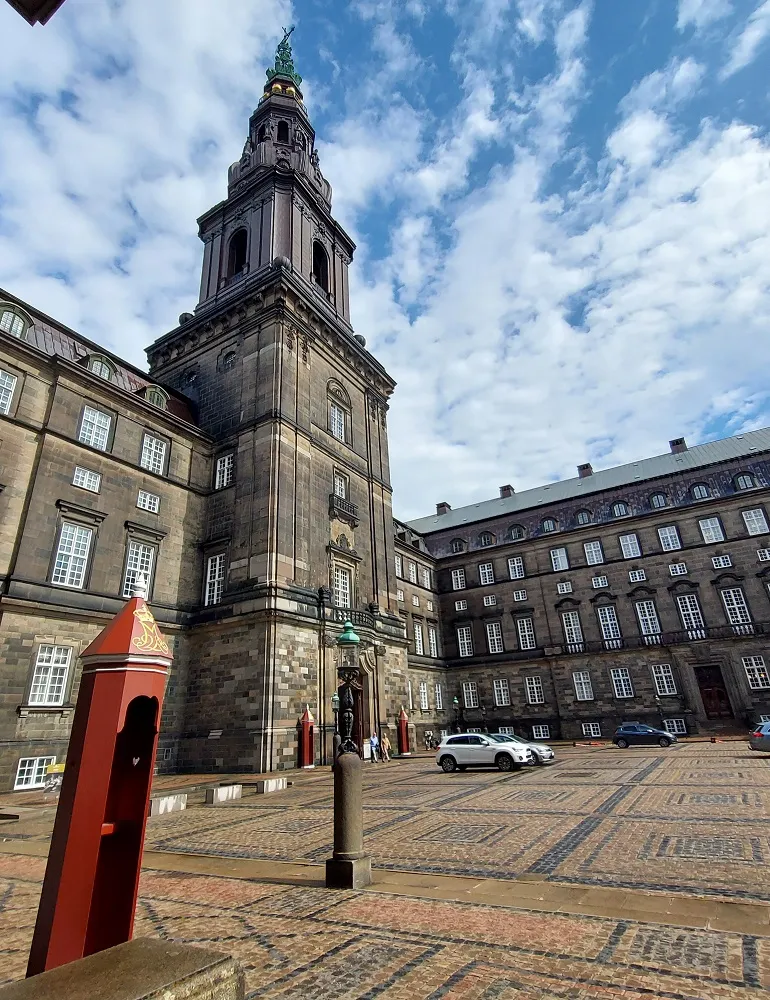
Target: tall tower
(299, 529)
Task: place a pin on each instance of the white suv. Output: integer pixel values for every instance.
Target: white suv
(455, 753)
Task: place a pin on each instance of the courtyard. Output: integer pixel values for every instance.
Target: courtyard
(612, 873)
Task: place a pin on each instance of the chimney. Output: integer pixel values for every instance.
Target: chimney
(506, 491)
(677, 446)
(585, 470)
(443, 508)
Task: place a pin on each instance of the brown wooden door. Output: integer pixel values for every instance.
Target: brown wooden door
(713, 692)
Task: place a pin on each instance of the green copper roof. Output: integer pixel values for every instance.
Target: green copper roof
(284, 61)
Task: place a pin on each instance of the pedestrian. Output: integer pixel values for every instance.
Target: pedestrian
(385, 747)
(374, 743)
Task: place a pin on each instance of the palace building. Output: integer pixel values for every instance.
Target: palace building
(246, 477)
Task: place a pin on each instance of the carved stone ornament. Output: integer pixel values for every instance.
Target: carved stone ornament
(343, 542)
(290, 335)
(305, 349)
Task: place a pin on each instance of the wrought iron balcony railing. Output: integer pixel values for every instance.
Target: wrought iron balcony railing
(342, 508)
(364, 619)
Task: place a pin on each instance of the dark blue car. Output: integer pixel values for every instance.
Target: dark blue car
(637, 734)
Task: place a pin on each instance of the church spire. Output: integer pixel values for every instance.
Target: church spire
(283, 70)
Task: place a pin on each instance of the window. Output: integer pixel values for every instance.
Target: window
(549, 524)
(678, 569)
(755, 521)
(534, 688)
(592, 729)
(658, 500)
(433, 645)
(502, 692)
(485, 539)
(423, 693)
(756, 672)
(470, 694)
(516, 533)
(629, 546)
(399, 566)
(526, 631)
(599, 582)
(72, 555)
(541, 733)
(621, 682)
(237, 253)
(692, 619)
(458, 579)
(226, 468)
(583, 517)
(677, 727)
(620, 509)
(7, 386)
(465, 640)
(439, 698)
(140, 558)
(669, 538)
(744, 482)
(608, 623)
(648, 618)
(11, 322)
(458, 545)
(215, 579)
(341, 580)
(583, 688)
(415, 600)
(399, 595)
(721, 562)
(320, 261)
(711, 530)
(495, 637)
(425, 576)
(507, 730)
(148, 501)
(486, 574)
(419, 646)
(736, 609)
(429, 605)
(594, 554)
(95, 428)
(559, 560)
(410, 695)
(636, 575)
(337, 421)
(412, 572)
(700, 492)
(461, 605)
(763, 555)
(157, 396)
(663, 676)
(341, 491)
(100, 367)
(516, 567)
(86, 479)
(30, 772)
(573, 633)
(490, 601)
(519, 595)
(565, 587)
(153, 454)
(50, 677)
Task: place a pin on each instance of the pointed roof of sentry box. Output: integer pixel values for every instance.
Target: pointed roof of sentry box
(132, 632)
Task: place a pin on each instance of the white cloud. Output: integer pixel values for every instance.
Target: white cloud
(666, 88)
(701, 12)
(747, 44)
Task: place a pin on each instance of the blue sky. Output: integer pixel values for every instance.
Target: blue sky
(562, 209)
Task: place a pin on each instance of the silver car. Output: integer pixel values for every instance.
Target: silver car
(541, 752)
(760, 737)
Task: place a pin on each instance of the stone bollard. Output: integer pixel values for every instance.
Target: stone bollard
(348, 867)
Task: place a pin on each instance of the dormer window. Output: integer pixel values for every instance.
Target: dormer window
(745, 482)
(320, 265)
(101, 367)
(658, 500)
(549, 524)
(516, 532)
(583, 517)
(458, 545)
(283, 132)
(157, 397)
(620, 509)
(11, 322)
(486, 539)
(700, 492)
(236, 255)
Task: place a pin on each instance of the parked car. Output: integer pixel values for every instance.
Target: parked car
(456, 753)
(760, 737)
(541, 752)
(636, 734)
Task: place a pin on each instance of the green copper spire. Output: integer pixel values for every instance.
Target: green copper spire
(284, 61)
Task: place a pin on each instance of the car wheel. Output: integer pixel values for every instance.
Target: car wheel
(448, 764)
(504, 762)
(622, 744)
(663, 742)
(538, 759)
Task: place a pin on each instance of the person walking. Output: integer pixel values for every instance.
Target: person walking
(385, 748)
(374, 744)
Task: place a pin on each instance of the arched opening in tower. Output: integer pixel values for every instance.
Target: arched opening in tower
(320, 266)
(236, 257)
(262, 134)
(283, 132)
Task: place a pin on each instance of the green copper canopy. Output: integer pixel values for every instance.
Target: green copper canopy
(284, 61)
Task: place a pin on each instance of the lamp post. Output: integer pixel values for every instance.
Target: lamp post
(348, 867)
(336, 739)
(456, 709)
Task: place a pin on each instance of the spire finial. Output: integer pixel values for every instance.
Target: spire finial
(284, 61)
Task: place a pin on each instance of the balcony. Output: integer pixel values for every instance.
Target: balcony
(343, 509)
(663, 639)
(363, 619)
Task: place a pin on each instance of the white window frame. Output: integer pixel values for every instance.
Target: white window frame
(153, 457)
(490, 600)
(494, 632)
(465, 640)
(419, 642)
(337, 421)
(755, 521)
(425, 577)
(525, 630)
(87, 479)
(711, 530)
(225, 472)
(594, 553)
(559, 559)
(763, 555)
(215, 579)
(342, 586)
(422, 693)
(399, 595)
(541, 732)
(655, 501)
(519, 595)
(95, 428)
(470, 694)
(629, 546)
(592, 729)
(72, 552)
(98, 366)
(140, 561)
(736, 608)
(696, 492)
(663, 676)
(7, 388)
(399, 563)
(49, 677)
(757, 674)
(692, 616)
(458, 579)
(486, 574)
(599, 582)
(584, 689)
(501, 691)
(609, 626)
(677, 727)
(433, 641)
(461, 605)
(636, 576)
(533, 686)
(37, 772)
(669, 538)
(649, 622)
(573, 630)
(677, 569)
(340, 487)
(415, 600)
(439, 696)
(412, 568)
(148, 501)
(621, 682)
(565, 587)
(721, 562)
(516, 569)
(15, 325)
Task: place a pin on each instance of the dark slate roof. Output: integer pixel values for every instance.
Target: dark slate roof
(747, 445)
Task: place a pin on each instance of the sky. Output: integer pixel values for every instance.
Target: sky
(561, 208)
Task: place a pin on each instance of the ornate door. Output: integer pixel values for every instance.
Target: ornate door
(716, 701)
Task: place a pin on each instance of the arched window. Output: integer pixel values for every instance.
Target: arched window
(620, 509)
(11, 322)
(229, 360)
(583, 517)
(338, 402)
(745, 482)
(283, 132)
(516, 532)
(320, 265)
(156, 396)
(236, 256)
(101, 367)
(486, 539)
(658, 500)
(262, 134)
(549, 524)
(700, 492)
(458, 545)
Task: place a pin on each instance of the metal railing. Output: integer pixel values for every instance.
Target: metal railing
(340, 505)
(364, 619)
(744, 631)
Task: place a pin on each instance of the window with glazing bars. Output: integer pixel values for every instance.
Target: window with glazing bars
(423, 693)
(534, 688)
(669, 538)
(439, 695)
(486, 574)
(573, 633)
(465, 640)
(648, 618)
(583, 688)
(621, 682)
(501, 691)
(95, 428)
(139, 562)
(412, 572)
(49, 679)
(86, 479)
(516, 567)
(215, 578)
(608, 622)
(341, 580)
(594, 554)
(148, 501)
(663, 676)
(458, 579)
(541, 733)
(495, 637)
(470, 694)
(525, 629)
(337, 421)
(7, 386)
(689, 609)
(432, 641)
(736, 609)
(72, 555)
(341, 488)
(418, 640)
(755, 521)
(756, 672)
(153, 454)
(629, 546)
(711, 530)
(559, 559)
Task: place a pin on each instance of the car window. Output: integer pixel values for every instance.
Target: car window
(458, 739)
(476, 740)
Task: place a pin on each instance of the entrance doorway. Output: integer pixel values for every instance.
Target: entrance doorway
(716, 702)
(362, 729)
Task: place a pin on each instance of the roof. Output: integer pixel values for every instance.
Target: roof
(741, 446)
